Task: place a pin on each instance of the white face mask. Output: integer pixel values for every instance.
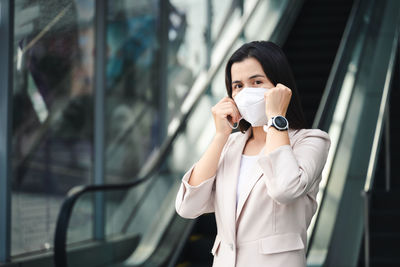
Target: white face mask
(251, 105)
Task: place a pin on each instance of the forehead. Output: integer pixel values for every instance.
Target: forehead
(244, 69)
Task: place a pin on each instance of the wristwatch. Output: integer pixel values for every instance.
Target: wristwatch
(279, 122)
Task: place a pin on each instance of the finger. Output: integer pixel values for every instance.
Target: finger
(231, 114)
(231, 101)
(235, 114)
(227, 99)
(225, 111)
(225, 105)
(280, 85)
(221, 104)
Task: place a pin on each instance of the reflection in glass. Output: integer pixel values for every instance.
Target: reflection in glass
(52, 116)
(132, 105)
(134, 95)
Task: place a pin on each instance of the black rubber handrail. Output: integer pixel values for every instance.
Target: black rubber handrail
(60, 238)
(60, 253)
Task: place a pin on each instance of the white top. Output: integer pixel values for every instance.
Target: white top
(246, 167)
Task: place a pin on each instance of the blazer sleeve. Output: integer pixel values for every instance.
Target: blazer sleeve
(290, 172)
(193, 201)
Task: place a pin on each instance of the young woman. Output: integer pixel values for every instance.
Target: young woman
(262, 181)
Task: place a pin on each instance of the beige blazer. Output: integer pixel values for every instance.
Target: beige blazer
(268, 226)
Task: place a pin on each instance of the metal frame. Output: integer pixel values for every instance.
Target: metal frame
(208, 38)
(368, 186)
(6, 85)
(99, 106)
(207, 34)
(382, 127)
(387, 146)
(161, 70)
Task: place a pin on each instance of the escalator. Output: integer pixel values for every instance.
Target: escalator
(187, 243)
(311, 48)
(385, 196)
(356, 129)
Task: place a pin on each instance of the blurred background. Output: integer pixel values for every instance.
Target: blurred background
(105, 104)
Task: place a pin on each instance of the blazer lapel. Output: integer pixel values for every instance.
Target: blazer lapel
(231, 172)
(252, 180)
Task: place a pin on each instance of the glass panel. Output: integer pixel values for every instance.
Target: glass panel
(132, 102)
(133, 113)
(53, 118)
(134, 97)
(187, 51)
(261, 26)
(81, 222)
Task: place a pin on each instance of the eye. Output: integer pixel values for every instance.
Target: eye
(237, 86)
(258, 82)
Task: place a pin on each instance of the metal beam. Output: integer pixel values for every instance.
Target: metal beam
(99, 106)
(387, 146)
(161, 72)
(208, 38)
(6, 85)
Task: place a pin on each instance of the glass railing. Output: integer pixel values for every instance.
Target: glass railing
(145, 207)
(358, 88)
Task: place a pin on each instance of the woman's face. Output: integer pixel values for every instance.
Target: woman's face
(248, 73)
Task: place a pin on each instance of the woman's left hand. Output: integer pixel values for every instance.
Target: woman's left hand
(277, 100)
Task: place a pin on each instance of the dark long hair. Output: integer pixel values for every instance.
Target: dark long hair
(277, 69)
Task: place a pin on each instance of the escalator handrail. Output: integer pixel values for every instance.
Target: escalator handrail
(337, 65)
(382, 117)
(176, 125)
(60, 238)
(323, 109)
(383, 111)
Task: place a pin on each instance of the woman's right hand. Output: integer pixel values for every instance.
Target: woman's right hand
(207, 166)
(223, 111)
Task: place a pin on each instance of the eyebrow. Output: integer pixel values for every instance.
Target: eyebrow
(256, 76)
(251, 77)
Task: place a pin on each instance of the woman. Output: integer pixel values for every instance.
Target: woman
(261, 182)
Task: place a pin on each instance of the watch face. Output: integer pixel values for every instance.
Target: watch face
(280, 122)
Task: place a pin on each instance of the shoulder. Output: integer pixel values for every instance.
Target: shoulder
(232, 139)
(302, 133)
(309, 136)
